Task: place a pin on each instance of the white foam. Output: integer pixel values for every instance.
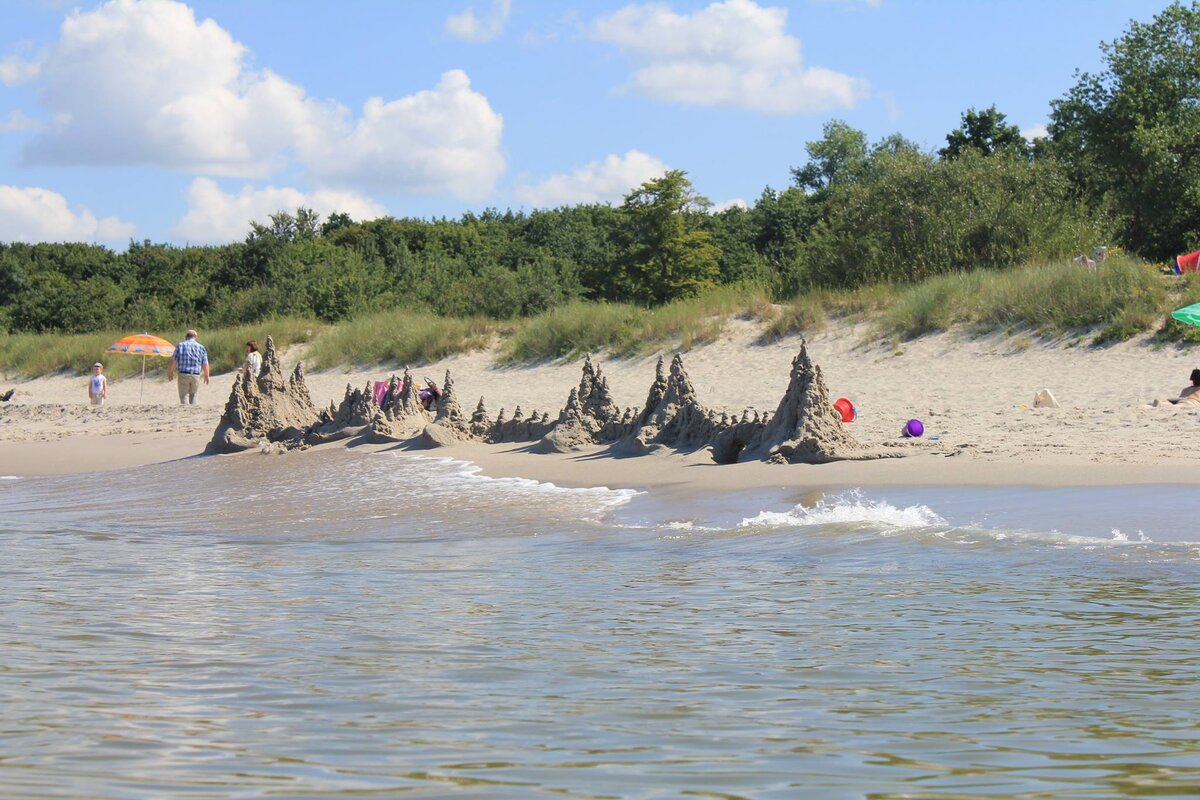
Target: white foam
(848, 508)
(9, 478)
(1118, 536)
(604, 497)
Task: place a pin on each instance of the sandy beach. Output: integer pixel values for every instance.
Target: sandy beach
(973, 394)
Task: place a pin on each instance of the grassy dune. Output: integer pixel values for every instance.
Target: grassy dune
(1123, 298)
(404, 337)
(624, 330)
(33, 354)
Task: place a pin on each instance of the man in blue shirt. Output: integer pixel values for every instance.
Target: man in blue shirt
(191, 360)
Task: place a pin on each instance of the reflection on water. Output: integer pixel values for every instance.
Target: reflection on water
(332, 624)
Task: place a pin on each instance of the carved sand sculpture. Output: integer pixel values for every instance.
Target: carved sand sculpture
(265, 407)
(804, 429)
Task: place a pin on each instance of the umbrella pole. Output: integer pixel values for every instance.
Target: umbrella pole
(142, 382)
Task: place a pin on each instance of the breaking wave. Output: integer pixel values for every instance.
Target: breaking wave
(847, 508)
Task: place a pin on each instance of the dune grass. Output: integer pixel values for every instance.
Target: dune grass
(809, 312)
(404, 337)
(1124, 297)
(1186, 292)
(625, 330)
(34, 354)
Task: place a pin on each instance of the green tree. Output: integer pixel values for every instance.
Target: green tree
(912, 216)
(838, 157)
(337, 221)
(985, 131)
(668, 254)
(304, 225)
(1130, 134)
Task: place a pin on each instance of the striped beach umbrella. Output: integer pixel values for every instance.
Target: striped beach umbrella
(144, 345)
(1189, 314)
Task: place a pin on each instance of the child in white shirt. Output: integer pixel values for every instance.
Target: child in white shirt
(98, 385)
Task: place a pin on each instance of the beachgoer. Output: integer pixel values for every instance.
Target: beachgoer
(1190, 394)
(191, 360)
(253, 362)
(98, 385)
(429, 396)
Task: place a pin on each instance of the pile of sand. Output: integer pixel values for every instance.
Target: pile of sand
(266, 407)
(804, 429)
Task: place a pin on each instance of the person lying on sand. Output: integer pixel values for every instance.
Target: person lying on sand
(1189, 395)
(430, 395)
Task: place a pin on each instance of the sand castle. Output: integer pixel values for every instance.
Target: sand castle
(804, 429)
(265, 407)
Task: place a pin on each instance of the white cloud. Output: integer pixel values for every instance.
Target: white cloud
(1039, 131)
(145, 82)
(733, 53)
(735, 202)
(17, 122)
(15, 70)
(141, 81)
(215, 216)
(606, 181)
(39, 215)
(445, 138)
(468, 27)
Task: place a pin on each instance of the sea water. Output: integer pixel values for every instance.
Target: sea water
(337, 624)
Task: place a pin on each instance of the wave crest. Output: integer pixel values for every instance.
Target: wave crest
(847, 508)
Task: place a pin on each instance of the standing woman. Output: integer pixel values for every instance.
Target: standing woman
(253, 362)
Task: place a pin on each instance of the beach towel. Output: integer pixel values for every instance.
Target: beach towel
(379, 391)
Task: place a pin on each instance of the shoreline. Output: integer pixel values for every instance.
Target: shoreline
(973, 394)
(595, 467)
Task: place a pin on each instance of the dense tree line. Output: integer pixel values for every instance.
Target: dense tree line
(1121, 164)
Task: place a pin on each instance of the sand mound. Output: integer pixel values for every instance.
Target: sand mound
(673, 416)
(266, 406)
(805, 428)
(589, 417)
(401, 415)
(349, 419)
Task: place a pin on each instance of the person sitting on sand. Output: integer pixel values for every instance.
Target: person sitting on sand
(253, 362)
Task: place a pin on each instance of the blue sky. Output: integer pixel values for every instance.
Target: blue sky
(172, 121)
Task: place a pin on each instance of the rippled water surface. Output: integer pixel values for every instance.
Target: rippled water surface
(346, 625)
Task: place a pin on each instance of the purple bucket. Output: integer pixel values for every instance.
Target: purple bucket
(913, 429)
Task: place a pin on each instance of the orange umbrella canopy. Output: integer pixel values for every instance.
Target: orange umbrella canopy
(142, 344)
